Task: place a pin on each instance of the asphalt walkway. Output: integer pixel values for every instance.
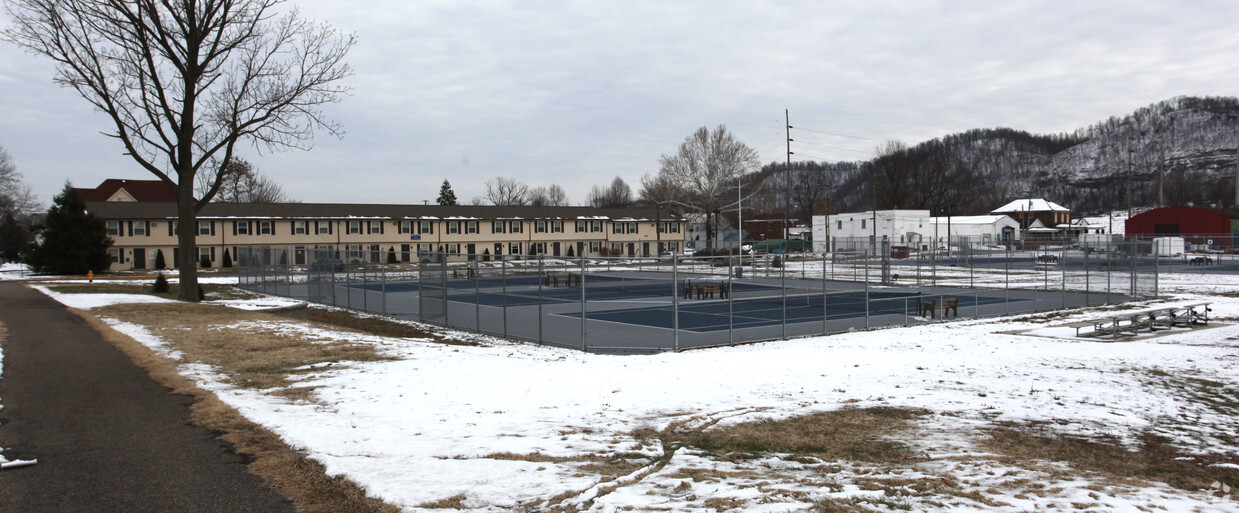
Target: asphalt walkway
(106, 436)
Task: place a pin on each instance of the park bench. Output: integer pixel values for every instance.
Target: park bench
(946, 304)
(1201, 260)
(704, 290)
(553, 280)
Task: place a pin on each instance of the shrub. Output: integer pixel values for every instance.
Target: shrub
(201, 294)
(227, 259)
(205, 263)
(161, 284)
(160, 263)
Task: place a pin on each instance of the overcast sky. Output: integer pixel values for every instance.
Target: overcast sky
(577, 93)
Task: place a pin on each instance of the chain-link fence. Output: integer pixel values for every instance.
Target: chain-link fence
(617, 304)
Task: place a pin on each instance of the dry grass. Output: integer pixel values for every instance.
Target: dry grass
(854, 434)
(377, 326)
(249, 357)
(213, 291)
(302, 481)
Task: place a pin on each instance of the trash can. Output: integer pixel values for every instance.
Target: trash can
(739, 272)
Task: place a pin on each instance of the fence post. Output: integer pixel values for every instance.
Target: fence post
(584, 306)
(675, 303)
(541, 279)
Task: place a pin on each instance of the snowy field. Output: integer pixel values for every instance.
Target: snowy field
(441, 422)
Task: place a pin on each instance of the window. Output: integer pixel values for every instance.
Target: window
(174, 228)
(453, 249)
(539, 227)
(595, 246)
(425, 227)
(840, 226)
(453, 227)
(557, 227)
(114, 255)
(241, 227)
(353, 253)
(300, 228)
(669, 227)
(323, 228)
(862, 223)
(206, 228)
(424, 249)
(617, 227)
(266, 227)
(580, 226)
(632, 227)
(406, 227)
(114, 230)
(517, 227)
(354, 227)
(497, 226)
(471, 226)
(538, 248)
(207, 254)
(595, 226)
(376, 227)
(514, 248)
(139, 229)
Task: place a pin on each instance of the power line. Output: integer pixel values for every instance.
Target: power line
(814, 157)
(834, 134)
(831, 147)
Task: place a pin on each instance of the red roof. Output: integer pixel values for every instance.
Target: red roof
(141, 190)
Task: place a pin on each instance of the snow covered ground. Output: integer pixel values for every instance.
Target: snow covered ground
(443, 423)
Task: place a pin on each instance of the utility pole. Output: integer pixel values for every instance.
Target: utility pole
(787, 199)
(1129, 149)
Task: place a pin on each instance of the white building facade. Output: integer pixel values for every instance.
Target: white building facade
(915, 229)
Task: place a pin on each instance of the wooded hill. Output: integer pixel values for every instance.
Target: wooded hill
(1181, 151)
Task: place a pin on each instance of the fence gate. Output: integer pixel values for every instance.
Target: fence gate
(432, 288)
(320, 276)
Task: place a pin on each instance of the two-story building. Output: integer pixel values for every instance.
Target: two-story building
(141, 230)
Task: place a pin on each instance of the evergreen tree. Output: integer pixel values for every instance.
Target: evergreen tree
(446, 195)
(391, 255)
(15, 239)
(227, 259)
(160, 263)
(74, 240)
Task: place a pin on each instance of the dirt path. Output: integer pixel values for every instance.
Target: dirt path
(107, 437)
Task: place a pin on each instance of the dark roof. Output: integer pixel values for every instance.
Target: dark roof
(141, 190)
(156, 210)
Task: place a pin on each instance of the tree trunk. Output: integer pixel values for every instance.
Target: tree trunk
(187, 233)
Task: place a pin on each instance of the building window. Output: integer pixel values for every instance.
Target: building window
(538, 248)
(353, 253)
(423, 249)
(266, 227)
(453, 227)
(862, 223)
(514, 248)
(376, 227)
(206, 228)
(840, 226)
(114, 230)
(139, 228)
(114, 255)
(595, 246)
(539, 226)
(617, 227)
(243, 227)
(300, 228)
(206, 254)
(323, 227)
(354, 227)
(669, 227)
(517, 227)
(557, 227)
(580, 226)
(425, 227)
(471, 226)
(595, 226)
(406, 227)
(497, 226)
(632, 227)
(453, 249)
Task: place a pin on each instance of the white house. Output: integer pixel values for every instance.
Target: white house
(914, 228)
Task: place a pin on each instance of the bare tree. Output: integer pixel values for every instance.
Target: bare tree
(704, 169)
(244, 184)
(506, 192)
(185, 81)
(16, 198)
(617, 195)
(549, 196)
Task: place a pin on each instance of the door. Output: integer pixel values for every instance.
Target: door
(139, 258)
(555, 249)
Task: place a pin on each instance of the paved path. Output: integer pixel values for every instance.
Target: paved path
(107, 436)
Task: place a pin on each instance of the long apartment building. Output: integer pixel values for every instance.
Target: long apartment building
(140, 230)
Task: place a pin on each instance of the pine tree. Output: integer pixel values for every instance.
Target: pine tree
(15, 239)
(160, 263)
(227, 259)
(74, 240)
(446, 196)
(391, 255)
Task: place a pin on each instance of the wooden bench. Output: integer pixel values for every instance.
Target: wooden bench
(554, 280)
(1201, 260)
(704, 290)
(946, 304)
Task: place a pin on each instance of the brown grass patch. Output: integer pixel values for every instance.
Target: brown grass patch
(285, 470)
(248, 357)
(856, 434)
(375, 325)
(1153, 460)
(453, 502)
(213, 291)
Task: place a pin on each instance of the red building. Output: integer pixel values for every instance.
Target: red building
(1196, 225)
